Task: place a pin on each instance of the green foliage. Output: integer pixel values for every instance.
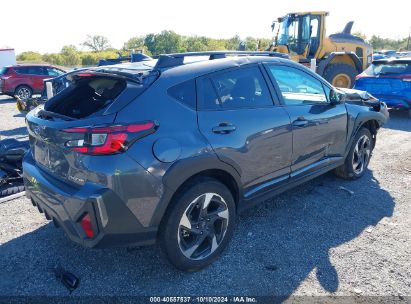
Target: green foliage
(169, 42)
(56, 59)
(165, 42)
(92, 58)
(70, 56)
(379, 43)
(30, 56)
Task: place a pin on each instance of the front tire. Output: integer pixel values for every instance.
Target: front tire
(340, 75)
(358, 158)
(198, 225)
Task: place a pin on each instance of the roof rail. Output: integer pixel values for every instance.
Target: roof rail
(170, 60)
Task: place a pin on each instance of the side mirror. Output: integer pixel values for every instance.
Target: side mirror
(273, 26)
(336, 97)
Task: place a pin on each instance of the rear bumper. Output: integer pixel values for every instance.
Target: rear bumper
(113, 223)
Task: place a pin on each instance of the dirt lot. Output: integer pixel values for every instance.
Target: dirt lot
(313, 240)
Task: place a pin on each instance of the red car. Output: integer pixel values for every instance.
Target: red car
(25, 80)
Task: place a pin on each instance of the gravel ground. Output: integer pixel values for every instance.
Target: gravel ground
(313, 240)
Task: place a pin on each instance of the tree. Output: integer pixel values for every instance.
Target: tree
(96, 43)
(56, 59)
(70, 56)
(195, 44)
(361, 35)
(233, 43)
(30, 56)
(134, 43)
(251, 44)
(164, 43)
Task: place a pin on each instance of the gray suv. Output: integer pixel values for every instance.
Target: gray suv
(171, 149)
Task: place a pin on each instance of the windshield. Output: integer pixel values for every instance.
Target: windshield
(3, 71)
(294, 32)
(385, 68)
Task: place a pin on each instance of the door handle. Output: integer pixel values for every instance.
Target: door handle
(224, 128)
(300, 122)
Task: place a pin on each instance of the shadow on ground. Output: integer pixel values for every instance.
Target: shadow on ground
(14, 132)
(5, 100)
(275, 247)
(399, 120)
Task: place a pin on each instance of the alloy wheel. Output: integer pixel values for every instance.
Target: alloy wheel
(361, 155)
(23, 93)
(203, 226)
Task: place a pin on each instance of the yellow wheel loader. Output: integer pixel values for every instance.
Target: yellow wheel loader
(338, 58)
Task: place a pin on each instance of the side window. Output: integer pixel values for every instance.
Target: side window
(35, 70)
(242, 88)
(54, 72)
(185, 93)
(21, 70)
(298, 87)
(209, 99)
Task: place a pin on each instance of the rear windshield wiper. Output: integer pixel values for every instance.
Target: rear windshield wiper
(49, 114)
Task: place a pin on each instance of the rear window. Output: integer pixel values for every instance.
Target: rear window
(185, 93)
(3, 71)
(86, 96)
(386, 68)
(31, 70)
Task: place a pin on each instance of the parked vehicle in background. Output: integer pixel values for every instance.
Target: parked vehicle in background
(7, 57)
(339, 57)
(390, 81)
(404, 54)
(384, 54)
(25, 80)
(170, 151)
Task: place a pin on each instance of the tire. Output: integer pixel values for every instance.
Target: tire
(344, 71)
(352, 169)
(6, 191)
(189, 243)
(24, 92)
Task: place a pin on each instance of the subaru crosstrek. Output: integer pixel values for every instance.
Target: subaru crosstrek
(170, 150)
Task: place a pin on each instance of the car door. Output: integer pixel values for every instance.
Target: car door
(237, 115)
(319, 127)
(37, 75)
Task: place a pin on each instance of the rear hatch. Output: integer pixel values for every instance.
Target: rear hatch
(78, 123)
(3, 71)
(386, 77)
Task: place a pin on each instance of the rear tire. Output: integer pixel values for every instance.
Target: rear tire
(198, 225)
(24, 92)
(340, 75)
(358, 158)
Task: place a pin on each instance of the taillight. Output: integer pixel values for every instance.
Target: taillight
(108, 139)
(87, 226)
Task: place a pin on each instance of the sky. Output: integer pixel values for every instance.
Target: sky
(46, 26)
